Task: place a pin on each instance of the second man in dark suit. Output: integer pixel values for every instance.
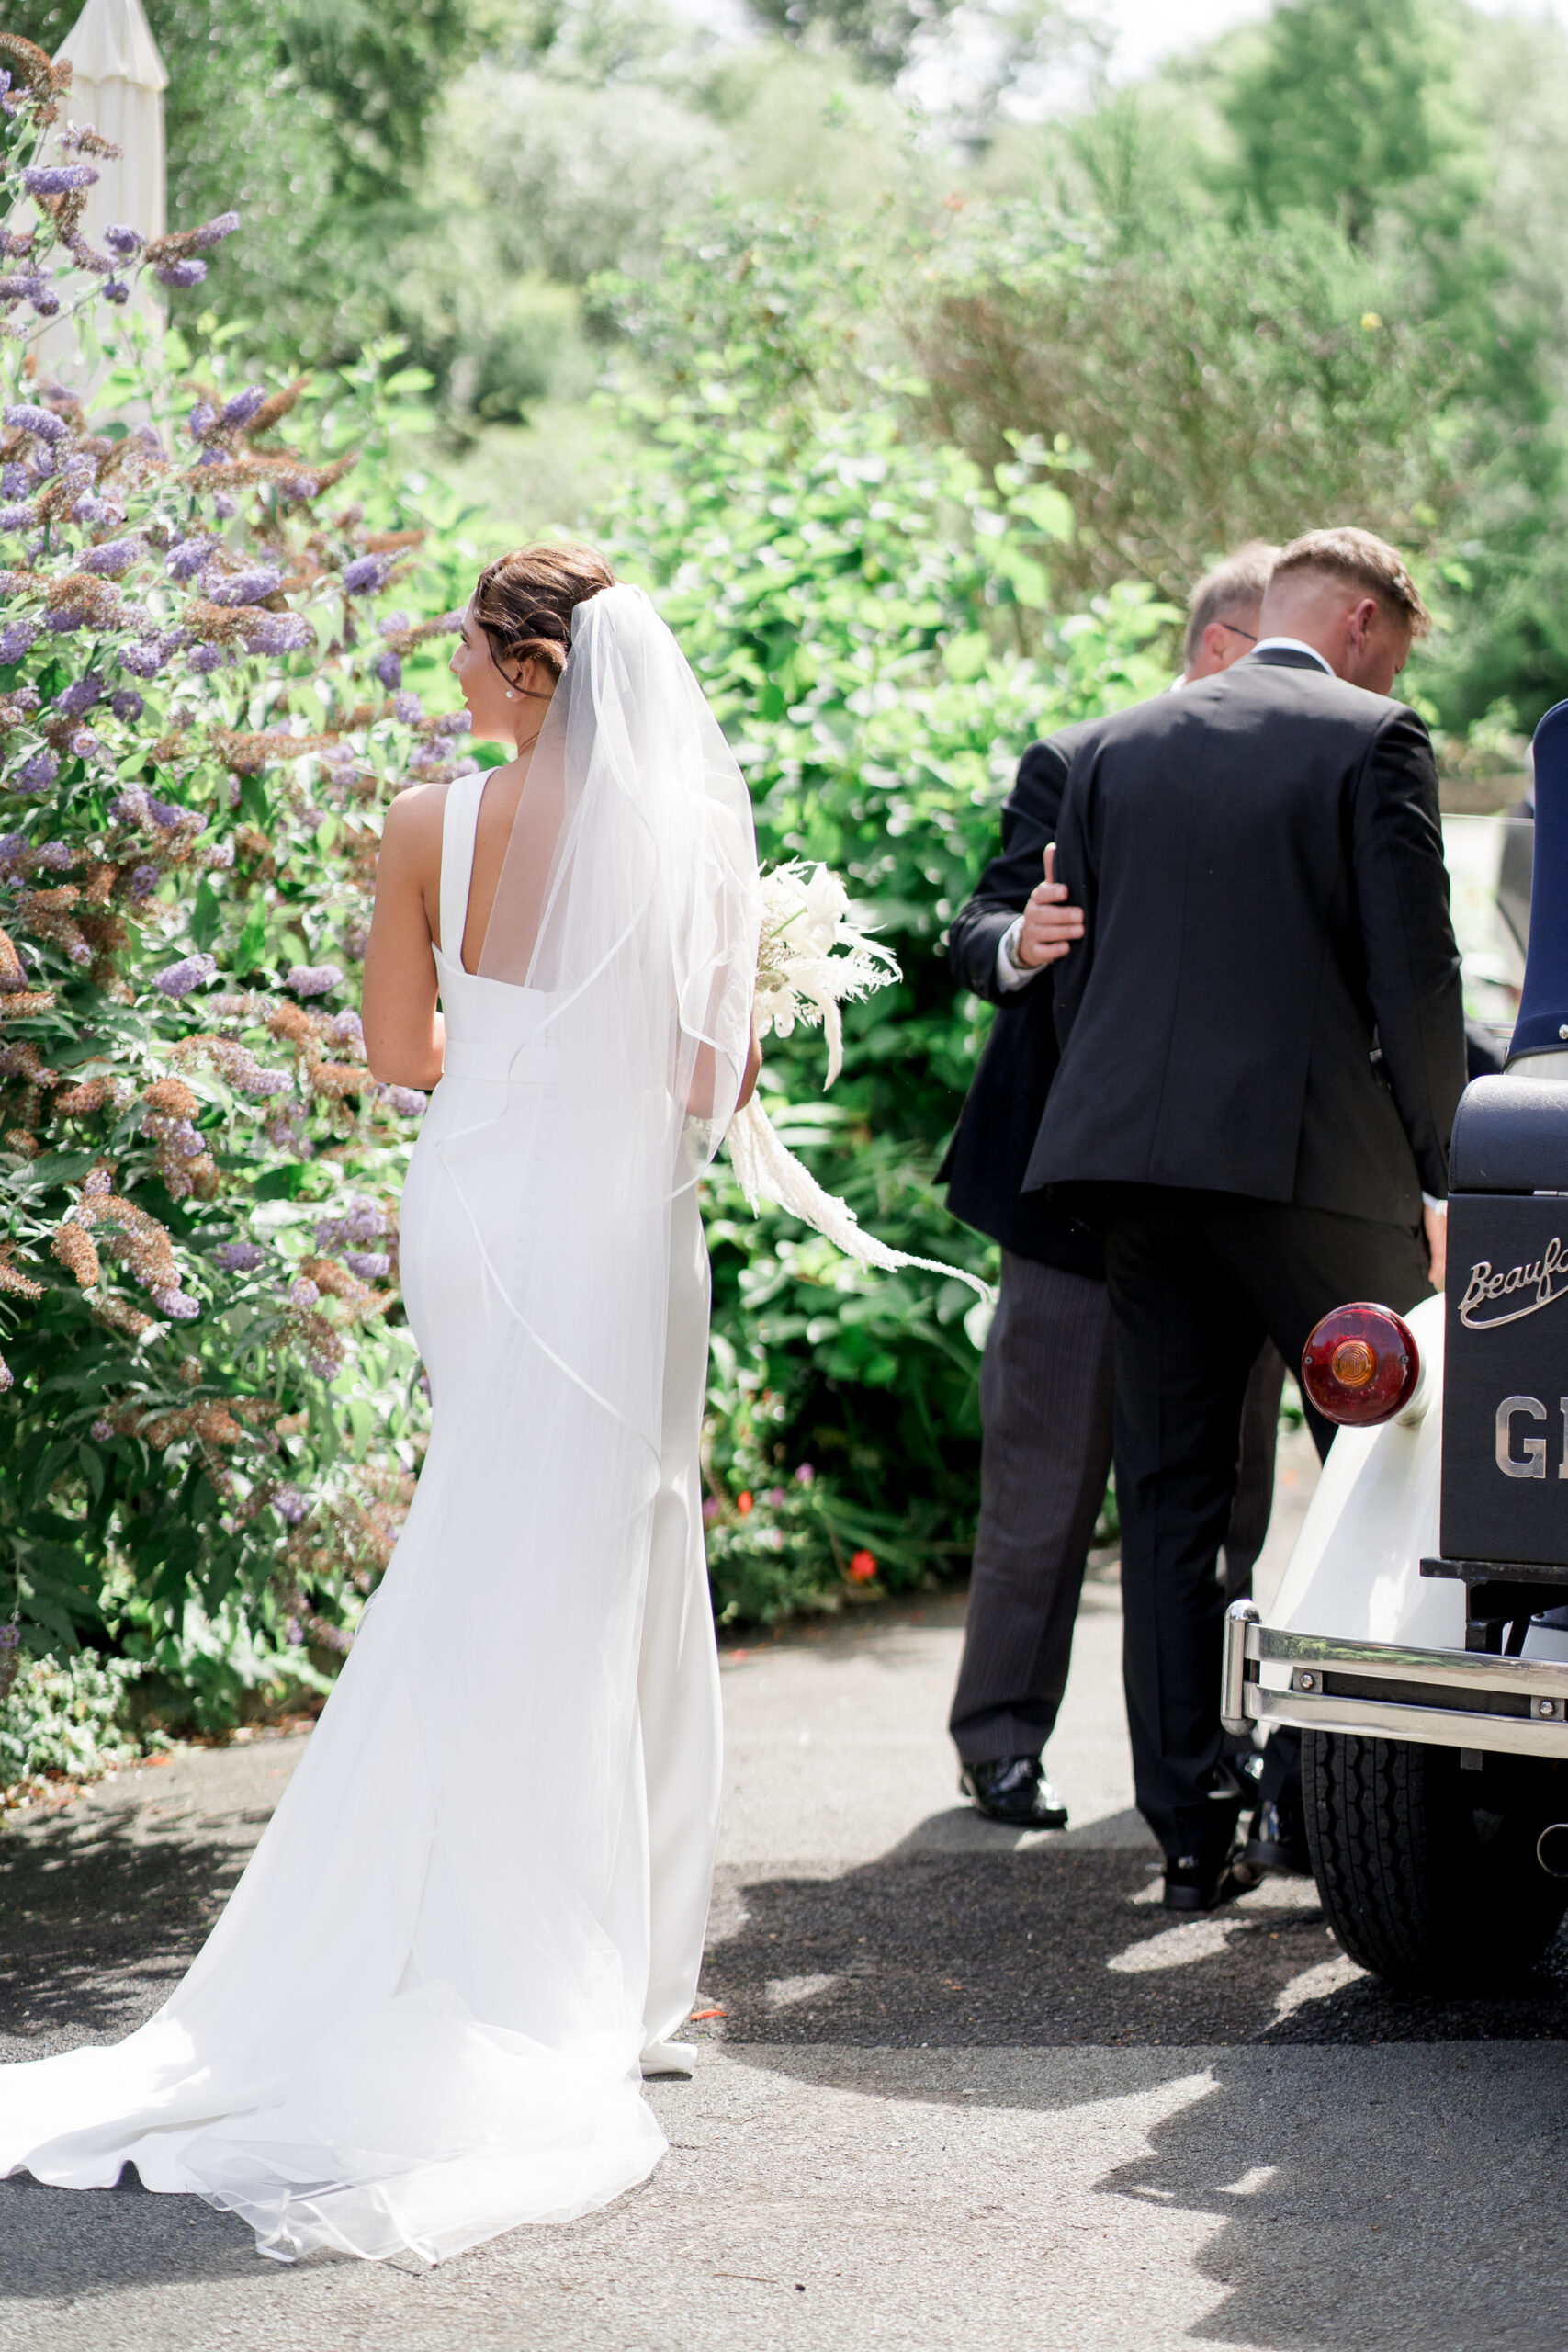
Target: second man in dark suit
(1045, 1382)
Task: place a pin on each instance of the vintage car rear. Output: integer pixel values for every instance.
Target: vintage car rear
(1419, 1639)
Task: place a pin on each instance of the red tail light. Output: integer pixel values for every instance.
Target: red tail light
(1360, 1365)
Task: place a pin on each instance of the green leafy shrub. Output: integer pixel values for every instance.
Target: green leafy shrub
(65, 1716)
(872, 617)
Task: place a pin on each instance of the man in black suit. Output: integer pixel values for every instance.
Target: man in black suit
(1263, 1047)
(1045, 1381)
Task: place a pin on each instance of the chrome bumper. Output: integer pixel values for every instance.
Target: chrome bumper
(1444, 1698)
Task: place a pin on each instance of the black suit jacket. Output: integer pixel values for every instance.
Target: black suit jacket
(985, 1161)
(1266, 996)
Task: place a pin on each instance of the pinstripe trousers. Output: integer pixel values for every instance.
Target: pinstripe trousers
(1045, 1408)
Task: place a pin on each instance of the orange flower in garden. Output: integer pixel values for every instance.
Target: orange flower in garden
(863, 1567)
(743, 1503)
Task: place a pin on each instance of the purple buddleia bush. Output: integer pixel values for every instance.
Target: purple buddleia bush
(198, 738)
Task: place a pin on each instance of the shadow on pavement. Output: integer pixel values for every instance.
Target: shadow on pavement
(1373, 2204)
(1054, 1945)
(103, 1909)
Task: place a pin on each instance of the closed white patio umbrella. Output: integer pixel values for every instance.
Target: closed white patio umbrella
(117, 86)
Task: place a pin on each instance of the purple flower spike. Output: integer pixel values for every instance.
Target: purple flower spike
(240, 1256)
(392, 623)
(206, 659)
(223, 506)
(279, 633)
(202, 419)
(42, 422)
(187, 556)
(14, 479)
(247, 587)
(212, 232)
(47, 304)
(57, 179)
(175, 1305)
(312, 980)
(303, 1293)
(370, 1265)
(388, 668)
(14, 518)
(365, 575)
(141, 661)
(116, 290)
(181, 273)
(244, 406)
(84, 743)
(124, 241)
(144, 882)
(406, 1101)
(190, 972)
(38, 773)
(128, 704)
(79, 698)
(454, 722)
(114, 557)
(408, 708)
(101, 1431)
(290, 1504)
(16, 639)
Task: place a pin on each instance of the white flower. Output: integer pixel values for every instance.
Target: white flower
(812, 958)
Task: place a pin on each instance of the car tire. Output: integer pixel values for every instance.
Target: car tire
(1428, 1873)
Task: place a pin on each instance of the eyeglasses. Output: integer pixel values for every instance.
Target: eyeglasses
(1239, 632)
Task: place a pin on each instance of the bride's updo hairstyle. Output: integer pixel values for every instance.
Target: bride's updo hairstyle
(525, 602)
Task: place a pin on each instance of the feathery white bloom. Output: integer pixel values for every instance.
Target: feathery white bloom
(813, 957)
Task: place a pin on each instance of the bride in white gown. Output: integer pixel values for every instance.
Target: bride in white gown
(477, 1914)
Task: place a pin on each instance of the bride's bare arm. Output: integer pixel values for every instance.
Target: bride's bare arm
(405, 1035)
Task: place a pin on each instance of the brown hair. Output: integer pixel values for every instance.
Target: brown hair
(1367, 562)
(1235, 586)
(524, 601)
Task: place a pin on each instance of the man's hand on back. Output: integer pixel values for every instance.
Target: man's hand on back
(1050, 926)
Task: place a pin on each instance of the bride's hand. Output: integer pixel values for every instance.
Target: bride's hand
(751, 1073)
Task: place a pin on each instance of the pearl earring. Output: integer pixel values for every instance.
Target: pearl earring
(510, 693)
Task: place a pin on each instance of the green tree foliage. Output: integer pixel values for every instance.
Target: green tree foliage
(1225, 383)
(1350, 110)
(313, 119)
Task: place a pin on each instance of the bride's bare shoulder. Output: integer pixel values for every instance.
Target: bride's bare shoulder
(411, 829)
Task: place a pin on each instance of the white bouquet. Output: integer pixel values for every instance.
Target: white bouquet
(812, 958)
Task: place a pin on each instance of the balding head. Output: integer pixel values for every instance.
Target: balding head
(1223, 610)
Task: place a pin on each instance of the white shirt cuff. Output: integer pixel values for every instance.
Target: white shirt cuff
(1432, 1200)
(1009, 977)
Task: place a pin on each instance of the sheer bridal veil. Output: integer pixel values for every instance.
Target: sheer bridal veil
(418, 2022)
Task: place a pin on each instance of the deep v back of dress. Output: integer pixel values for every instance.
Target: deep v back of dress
(480, 1903)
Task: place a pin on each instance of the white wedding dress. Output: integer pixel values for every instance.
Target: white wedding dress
(481, 1900)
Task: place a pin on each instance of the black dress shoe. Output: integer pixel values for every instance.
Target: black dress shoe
(1277, 1841)
(1203, 1882)
(1014, 1790)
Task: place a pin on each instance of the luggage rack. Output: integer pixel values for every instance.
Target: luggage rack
(1470, 1699)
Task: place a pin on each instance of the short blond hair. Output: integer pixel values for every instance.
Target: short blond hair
(1235, 585)
(1367, 562)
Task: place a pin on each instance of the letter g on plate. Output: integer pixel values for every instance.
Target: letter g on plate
(1531, 1462)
